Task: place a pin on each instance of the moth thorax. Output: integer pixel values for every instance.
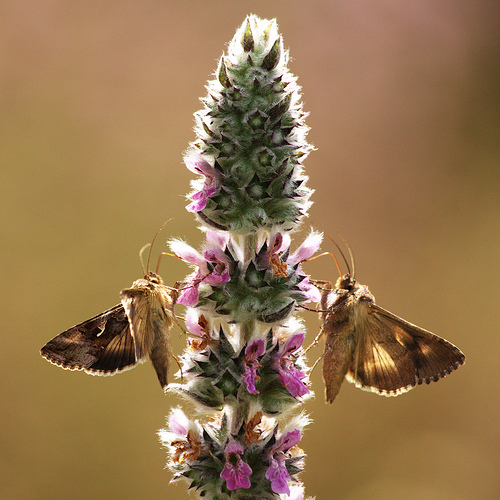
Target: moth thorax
(335, 299)
(346, 282)
(364, 295)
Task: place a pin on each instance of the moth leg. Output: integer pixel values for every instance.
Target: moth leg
(313, 310)
(316, 362)
(176, 321)
(315, 341)
(328, 348)
(322, 283)
(175, 289)
(179, 325)
(180, 367)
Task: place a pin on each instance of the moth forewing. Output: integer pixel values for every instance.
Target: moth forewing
(102, 345)
(340, 341)
(123, 336)
(432, 356)
(339, 347)
(383, 353)
(149, 305)
(380, 364)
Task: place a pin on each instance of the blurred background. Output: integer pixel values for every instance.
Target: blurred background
(96, 103)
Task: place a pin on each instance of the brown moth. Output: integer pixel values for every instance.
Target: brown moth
(375, 349)
(123, 336)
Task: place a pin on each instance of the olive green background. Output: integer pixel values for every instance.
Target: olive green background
(96, 104)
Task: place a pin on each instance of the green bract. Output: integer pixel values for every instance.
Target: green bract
(252, 132)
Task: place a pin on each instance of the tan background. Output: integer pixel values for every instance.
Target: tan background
(96, 103)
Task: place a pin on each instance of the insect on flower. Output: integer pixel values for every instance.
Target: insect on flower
(125, 335)
(373, 348)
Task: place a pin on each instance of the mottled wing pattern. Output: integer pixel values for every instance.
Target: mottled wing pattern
(393, 356)
(102, 345)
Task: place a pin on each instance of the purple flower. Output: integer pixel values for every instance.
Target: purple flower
(308, 248)
(278, 266)
(218, 266)
(189, 295)
(200, 198)
(297, 492)
(183, 438)
(193, 323)
(286, 441)
(254, 350)
(283, 361)
(311, 293)
(277, 472)
(178, 423)
(279, 244)
(212, 265)
(236, 472)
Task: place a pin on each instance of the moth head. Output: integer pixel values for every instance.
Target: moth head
(153, 278)
(346, 282)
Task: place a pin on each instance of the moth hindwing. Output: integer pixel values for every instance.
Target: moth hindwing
(375, 349)
(123, 336)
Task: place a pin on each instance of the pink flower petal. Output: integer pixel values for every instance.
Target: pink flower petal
(198, 205)
(236, 472)
(308, 248)
(189, 296)
(217, 239)
(250, 377)
(233, 447)
(255, 349)
(186, 252)
(199, 165)
(192, 323)
(287, 440)
(293, 343)
(311, 293)
(278, 474)
(178, 423)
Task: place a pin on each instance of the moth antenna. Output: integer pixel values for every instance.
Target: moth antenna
(141, 257)
(337, 263)
(159, 259)
(351, 253)
(153, 241)
(341, 253)
(323, 254)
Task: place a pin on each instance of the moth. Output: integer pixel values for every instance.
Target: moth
(123, 336)
(373, 348)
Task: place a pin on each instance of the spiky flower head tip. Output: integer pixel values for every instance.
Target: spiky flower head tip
(251, 138)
